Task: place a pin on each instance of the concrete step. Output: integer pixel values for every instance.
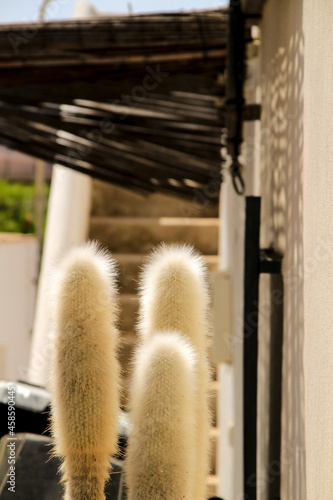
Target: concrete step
(141, 234)
(130, 265)
(129, 303)
(108, 200)
(214, 433)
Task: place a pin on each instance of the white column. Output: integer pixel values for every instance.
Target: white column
(67, 225)
(230, 404)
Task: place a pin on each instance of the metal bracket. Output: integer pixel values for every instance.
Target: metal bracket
(270, 261)
(251, 112)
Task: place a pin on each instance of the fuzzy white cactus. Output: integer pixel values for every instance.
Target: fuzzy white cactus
(161, 449)
(85, 371)
(175, 297)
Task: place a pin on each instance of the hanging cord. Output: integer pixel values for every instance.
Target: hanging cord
(237, 178)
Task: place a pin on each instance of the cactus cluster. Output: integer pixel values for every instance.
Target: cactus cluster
(173, 298)
(168, 449)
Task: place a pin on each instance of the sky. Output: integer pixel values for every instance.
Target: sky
(28, 10)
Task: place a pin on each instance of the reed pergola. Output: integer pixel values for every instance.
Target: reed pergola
(129, 99)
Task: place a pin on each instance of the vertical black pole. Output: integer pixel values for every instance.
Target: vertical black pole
(250, 345)
(234, 100)
(275, 392)
(235, 70)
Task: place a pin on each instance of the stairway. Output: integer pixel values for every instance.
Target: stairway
(130, 225)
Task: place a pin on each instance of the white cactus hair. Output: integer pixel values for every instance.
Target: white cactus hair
(174, 292)
(175, 297)
(84, 369)
(160, 462)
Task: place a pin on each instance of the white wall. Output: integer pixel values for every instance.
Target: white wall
(318, 247)
(18, 276)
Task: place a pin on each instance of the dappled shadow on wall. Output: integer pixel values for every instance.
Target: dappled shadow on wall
(282, 228)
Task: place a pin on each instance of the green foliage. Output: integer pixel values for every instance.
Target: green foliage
(17, 206)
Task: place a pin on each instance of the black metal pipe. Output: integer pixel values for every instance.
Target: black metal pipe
(261, 261)
(234, 102)
(250, 345)
(275, 388)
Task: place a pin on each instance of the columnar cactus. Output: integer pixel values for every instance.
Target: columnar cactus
(175, 297)
(161, 449)
(85, 371)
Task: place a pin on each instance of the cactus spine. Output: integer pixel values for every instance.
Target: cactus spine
(175, 296)
(85, 371)
(160, 457)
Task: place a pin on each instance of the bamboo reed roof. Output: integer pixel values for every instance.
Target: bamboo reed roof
(128, 99)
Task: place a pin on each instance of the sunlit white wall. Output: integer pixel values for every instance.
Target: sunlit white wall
(283, 224)
(318, 247)
(18, 275)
